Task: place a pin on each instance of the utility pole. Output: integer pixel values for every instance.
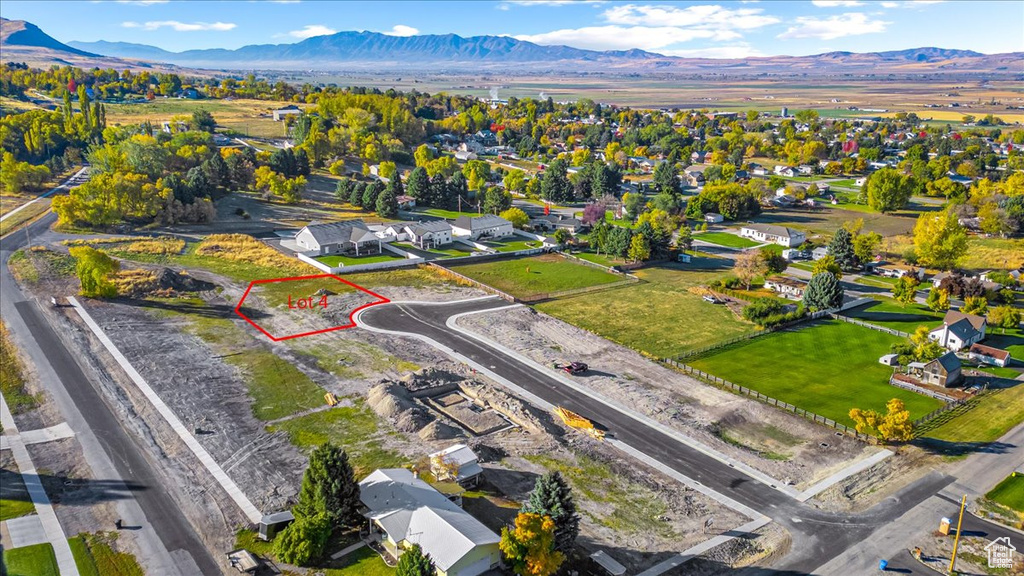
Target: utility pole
(956, 542)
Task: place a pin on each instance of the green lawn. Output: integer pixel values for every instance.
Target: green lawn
(1011, 340)
(992, 416)
(726, 239)
(527, 277)
(35, 560)
(886, 312)
(362, 562)
(447, 214)
(336, 260)
(454, 249)
(1009, 492)
(602, 259)
(659, 316)
(14, 497)
(876, 281)
(512, 244)
(826, 367)
(353, 427)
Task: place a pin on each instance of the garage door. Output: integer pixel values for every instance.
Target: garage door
(476, 568)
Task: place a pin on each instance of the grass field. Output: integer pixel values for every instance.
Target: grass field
(15, 500)
(335, 260)
(511, 244)
(35, 560)
(528, 277)
(659, 316)
(355, 427)
(240, 115)
(982, 253)
(453, 250)
(1009, 492)
(726, 239)
(994, 414)
(886, 312)
(447, 214)
(602, 259)
(826, 367)
(26, 214)
(362, 562)
(95, 556)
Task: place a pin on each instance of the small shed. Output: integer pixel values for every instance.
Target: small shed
(271, 524)
(890, 360)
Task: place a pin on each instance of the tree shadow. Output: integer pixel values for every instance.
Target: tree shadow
(215, 311)
(949, 448)
(68, 491)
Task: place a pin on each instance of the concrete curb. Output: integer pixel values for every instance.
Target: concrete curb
(236, 494)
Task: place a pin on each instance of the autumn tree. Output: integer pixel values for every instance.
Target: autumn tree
(414, 562)
(94, 269)
(938, 300)
(749, 266)
(1004, 317)
(895, 425)
(888, 190)
(329, 487)
(552, 497)
(905, 289)
(974, 305)
(17, 176)
(562, 236)
(823, 292)
(939, 239)
(639, 248)
(925, 349)
(529, 547)
(827, 264)
(865, 246)
(517, 217)
(684, 240)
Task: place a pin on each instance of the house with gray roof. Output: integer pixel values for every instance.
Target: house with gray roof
(349, 236)
(403, 510)
(959, 330)
(482, 227)
(943, 371)
(429, 234)
(780, 235)
(456, 463)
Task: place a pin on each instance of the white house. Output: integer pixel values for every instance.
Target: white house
(786, 286)
(429, 234)
(819, 252)
(482, 227)
(959, 330)
(780, 235)
(989, 355)
(338, 237)
(713, 218)
(465, 156)
(403, 510)
(457, 463)
(785, 171)
(390, 232)
(281, 113)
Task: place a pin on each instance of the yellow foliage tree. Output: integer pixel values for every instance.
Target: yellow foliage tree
(530, 546)
(894, 425)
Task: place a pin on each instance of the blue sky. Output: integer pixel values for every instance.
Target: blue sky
(711, 29)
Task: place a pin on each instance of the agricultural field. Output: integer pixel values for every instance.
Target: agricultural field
(887, 312)
(826, 220)
(249, 117)
(536, 275)
(726, 239)
(982, 253)
(826, 367)
(659, 316)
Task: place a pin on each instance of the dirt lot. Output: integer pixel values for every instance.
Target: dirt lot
(784, 446)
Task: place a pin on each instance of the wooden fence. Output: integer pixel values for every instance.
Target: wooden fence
(726, 385)
(544, 296)
(870, 325)
(453, 274)
(701, 351)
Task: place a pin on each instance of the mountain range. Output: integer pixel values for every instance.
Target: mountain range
(450, 52)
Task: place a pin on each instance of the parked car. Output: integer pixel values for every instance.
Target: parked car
(712, 299)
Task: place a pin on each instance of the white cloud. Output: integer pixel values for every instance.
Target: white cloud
(835, 3)
(401, 30)
(849, 24)
(624, 38)
(311, 31)
(182, 26)
(890, 4)
(707, 17)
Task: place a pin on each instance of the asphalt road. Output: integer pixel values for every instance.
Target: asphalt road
(818, 536)
(161, 511)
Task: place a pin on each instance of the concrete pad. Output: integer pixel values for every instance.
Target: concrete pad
(26, 531)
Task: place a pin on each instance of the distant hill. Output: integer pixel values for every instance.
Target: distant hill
(24, 42)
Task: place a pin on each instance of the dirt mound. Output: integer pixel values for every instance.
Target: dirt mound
(426, 378)
(438, 430)
(139, 282)
(392, 402)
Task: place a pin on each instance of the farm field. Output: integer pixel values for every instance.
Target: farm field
(659, 316)
(825, 367)
(982, 253)
(240, 115)
(886, 312)
(529, 277)
(726, 239)
(826, 220)
(994, 414)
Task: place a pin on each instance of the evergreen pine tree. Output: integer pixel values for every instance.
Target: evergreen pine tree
(329, 487)
(823, 292)
(841, 248)
(387, 203)
(552, 497)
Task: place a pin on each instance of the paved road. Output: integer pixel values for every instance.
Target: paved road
(173, 529)
(818, 536)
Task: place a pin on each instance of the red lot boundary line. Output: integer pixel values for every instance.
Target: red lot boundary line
(351, 324)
